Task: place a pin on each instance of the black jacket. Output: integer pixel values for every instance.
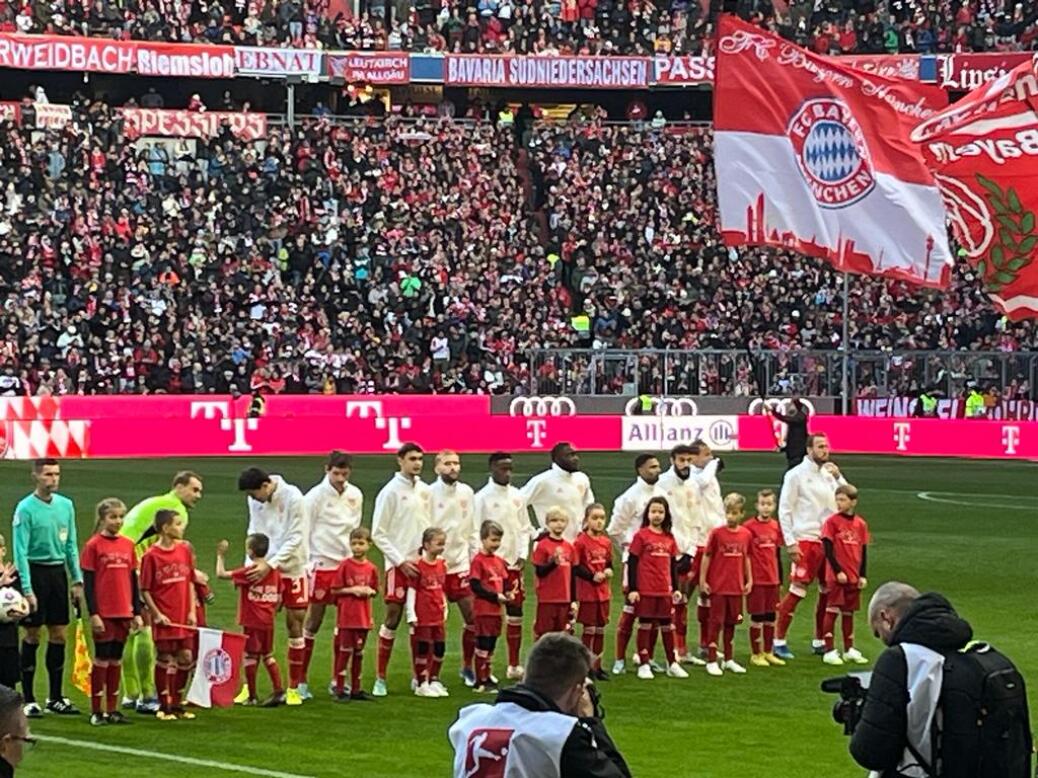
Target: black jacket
(589, 752)
(879, 741)
(6, 768)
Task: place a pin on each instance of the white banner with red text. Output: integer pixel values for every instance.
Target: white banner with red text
(303, 425)
(150, 122)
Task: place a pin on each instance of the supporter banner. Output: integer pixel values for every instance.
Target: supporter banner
(983, 152)
(660, 433)
(812, 156)
(278, 63)
(554, 72)
(50, 116)
(11, 111)
(690, 70)
(100, 55)
(192, 124)
(965, 72)
(948, 408)
(371, 67)
(908, 437)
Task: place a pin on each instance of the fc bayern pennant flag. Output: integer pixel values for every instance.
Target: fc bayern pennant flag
(219, 664)
(983, 152)
(815, 156)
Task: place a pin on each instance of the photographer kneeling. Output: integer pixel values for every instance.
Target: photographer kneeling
(982, 728)
(549, 726)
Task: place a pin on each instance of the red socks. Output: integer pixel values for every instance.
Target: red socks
(358, 655)
(386, 636)
(729, 638)
(820, 608)
(468, 645)
(419, 661)
(98, 679)
(828, 625)
(296, 651)
(275, 674)
(624, 628)
(114, 676)
(483, 659)
(250, 676)
(667, 632)
(769, 637)
(342, 658)
(755, 633)
(847, 627)
(308, 653)
(703, 617)
(514, 638)
(680, 630)
(786, 608)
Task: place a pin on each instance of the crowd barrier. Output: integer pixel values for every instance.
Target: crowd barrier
(215, 425)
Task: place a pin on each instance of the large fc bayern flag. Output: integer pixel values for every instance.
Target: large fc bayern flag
(815, 156)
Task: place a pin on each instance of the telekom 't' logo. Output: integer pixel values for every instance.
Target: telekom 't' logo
(901, 435)
(366, 409)
(1010, 438)
(221, 409)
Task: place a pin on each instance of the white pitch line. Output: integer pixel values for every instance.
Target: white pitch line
(231, 768)
(929, 497)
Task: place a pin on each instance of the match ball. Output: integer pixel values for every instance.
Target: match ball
(13, 606)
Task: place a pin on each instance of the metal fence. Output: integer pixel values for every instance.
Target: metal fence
(733, 372)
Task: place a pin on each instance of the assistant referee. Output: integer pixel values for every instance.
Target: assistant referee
(45, 554)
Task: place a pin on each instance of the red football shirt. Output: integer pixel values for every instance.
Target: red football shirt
(168, 575)
(430, 599)
(257, 602)
(491, 571)
(765, 540)
(655, 551)
(594, 553)
(556, 586)
(354, 612)
(728, 549)
(113, 562)
(849, 536)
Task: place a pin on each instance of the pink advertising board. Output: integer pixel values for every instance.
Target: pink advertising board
(215, 425)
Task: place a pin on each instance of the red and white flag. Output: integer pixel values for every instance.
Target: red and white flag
(815, 156)
(983, 152)
(219, 664)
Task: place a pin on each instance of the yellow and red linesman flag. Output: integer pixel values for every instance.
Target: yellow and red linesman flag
(983, 152)
(81, 663)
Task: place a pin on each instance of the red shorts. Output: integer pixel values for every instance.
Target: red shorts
(488, 626)
(514, 585)
(811, 565)
(551, 617)
(846, 597)
(350, 639)
(434, 634)
(654, 607)
(295, 593)
(321, 583)
(116, 631)
(725, 609)
(259, 641)
(456, 587)
(763, 599)
(395, 586)
(175, 645)
(593, 614)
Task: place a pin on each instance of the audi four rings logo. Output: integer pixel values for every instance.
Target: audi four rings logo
(776, 403)
(542, 406)
(666, 406)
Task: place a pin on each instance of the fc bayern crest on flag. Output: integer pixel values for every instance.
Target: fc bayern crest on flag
(217, 666)
(831, 152)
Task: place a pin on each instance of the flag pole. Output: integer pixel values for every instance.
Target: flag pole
(844, 381)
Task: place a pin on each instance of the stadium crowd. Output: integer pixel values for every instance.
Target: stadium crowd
(393, 256)
(555, 26)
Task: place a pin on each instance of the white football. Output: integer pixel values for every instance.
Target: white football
(13, 606)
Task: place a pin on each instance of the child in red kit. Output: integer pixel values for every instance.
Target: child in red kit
(427, 614)
(257, 605)
(592, 573)
(725, 578)
(765, 567)
(488, 573)
(167, 576)
(355, 583)
(109, 564)
(652, 585)
(845, 537)
(552, 560)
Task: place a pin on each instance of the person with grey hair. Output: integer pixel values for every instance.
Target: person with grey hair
(15, 739)
(900, 732)
(549, 726)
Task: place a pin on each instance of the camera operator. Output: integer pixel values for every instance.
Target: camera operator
(549, 726)
(912, 681)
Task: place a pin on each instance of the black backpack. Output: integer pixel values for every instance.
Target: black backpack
(985, 727)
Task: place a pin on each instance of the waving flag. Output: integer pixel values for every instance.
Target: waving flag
(815, 156)
(983, 152)
(219, 663)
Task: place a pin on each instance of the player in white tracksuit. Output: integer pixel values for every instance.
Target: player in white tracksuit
(453, 508)
(808, 498)
(563, 485)
(402, 514)
(277, 509)
(626, 520)
(334, 508)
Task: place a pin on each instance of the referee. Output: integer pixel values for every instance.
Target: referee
(44, 546)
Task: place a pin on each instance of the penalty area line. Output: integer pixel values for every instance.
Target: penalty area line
(227, 767)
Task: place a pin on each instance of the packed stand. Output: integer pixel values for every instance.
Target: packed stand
(551, 27)
(400, 257)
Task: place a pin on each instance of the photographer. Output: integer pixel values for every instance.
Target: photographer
(925, 671)
(550, 726)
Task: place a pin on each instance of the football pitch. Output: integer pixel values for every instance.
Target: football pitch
(966, 529)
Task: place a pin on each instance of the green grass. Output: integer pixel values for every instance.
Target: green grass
(978, 549)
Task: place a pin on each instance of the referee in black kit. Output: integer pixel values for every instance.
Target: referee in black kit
(45, 554)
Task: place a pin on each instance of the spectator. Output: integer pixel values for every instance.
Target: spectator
(15, 739)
